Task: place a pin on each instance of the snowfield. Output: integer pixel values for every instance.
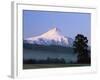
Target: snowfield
(51, 37)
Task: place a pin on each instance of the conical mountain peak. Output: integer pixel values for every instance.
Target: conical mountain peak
(51, 37)
(52, 32)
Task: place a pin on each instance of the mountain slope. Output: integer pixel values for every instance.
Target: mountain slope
(51, 37)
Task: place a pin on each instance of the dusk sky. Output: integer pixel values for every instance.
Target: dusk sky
(70, 23)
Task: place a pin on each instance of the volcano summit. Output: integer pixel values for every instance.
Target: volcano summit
(52, 37)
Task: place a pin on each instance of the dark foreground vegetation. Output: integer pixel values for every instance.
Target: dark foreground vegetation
(45, 61)
(50, 63)
(81, 48)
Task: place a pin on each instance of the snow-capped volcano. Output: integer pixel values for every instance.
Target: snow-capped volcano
(51, 37)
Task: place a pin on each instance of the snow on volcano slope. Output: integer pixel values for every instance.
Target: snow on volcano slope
(51, 37)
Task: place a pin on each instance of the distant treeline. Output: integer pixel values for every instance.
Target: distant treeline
(48, 47)
(45, 61)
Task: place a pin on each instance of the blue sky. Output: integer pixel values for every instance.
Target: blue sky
(70, 23)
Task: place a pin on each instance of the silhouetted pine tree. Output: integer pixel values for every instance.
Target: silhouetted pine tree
(81, 48)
